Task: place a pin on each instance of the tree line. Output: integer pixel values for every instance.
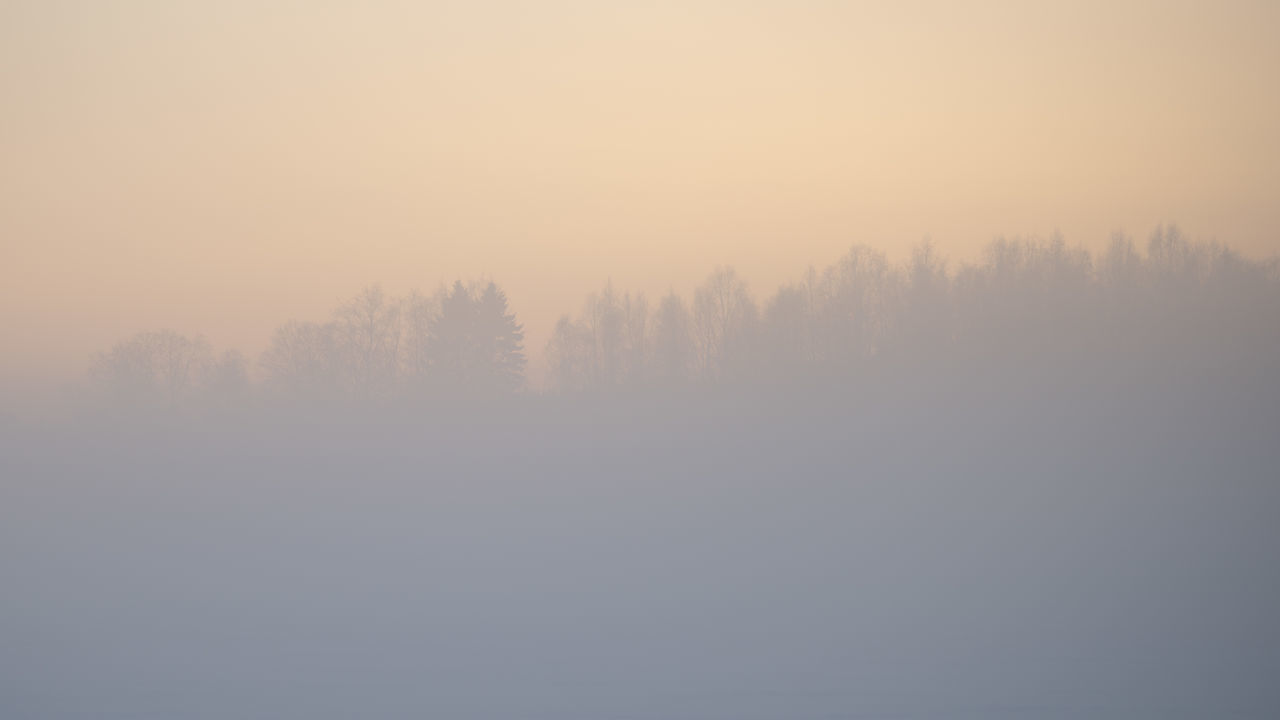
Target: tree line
(460, 340)
(1027, 305)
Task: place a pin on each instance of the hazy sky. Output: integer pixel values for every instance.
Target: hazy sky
(222, 167)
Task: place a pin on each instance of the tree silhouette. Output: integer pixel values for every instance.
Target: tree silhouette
(723, 317)
(673, 347)
(499, 342)
(475, 343)
(161, 367)
(369, 333)
(1027, 306)
(606, 347)
(568, 356)
(302, 359)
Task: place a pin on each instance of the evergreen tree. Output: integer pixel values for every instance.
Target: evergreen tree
(450, 338)
(499, 342)
(475, 342)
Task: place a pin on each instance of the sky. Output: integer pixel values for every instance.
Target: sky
(219, 168)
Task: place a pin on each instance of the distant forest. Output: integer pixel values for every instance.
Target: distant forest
(1034, 309)
(1042, 485)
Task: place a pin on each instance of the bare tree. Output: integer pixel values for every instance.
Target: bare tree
(568, 356)
(420, 312)
(635, 324)
(606, 347)
(785, 331)
(674, 354)
(723, 314)
(602, 319)
(850, 307)
(368, 333)
(302, 358)
(160, 367)
(925, 321)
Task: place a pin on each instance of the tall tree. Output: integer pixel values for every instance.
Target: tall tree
(673, 346)
(723, 317)
(475, 342)
(450, 339)
(499, 342)
(369, 330)
(568, 356)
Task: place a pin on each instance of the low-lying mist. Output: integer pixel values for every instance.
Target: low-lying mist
(1044, 485)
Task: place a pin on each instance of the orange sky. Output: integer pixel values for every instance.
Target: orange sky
(222, 167)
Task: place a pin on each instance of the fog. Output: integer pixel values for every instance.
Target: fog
(697, 360)
(1038, 485)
